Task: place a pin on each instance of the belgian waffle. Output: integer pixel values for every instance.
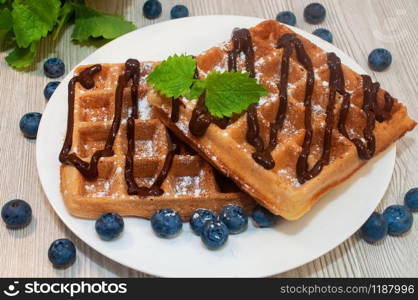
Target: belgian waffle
(191, 183)
(352, 119)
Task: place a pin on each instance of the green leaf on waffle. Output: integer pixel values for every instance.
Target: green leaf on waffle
(231, 92)
(174, 76)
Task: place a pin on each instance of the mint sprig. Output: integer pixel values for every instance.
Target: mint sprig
(225, 93)
(174, 76)
(231, 92)
(90, 23)
(25, 23)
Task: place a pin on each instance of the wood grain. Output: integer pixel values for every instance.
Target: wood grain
(358, 27)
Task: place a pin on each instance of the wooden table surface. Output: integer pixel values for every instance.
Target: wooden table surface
(358, 27)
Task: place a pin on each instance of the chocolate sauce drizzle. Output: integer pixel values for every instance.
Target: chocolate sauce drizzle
(176, 102)
(366, 148)
(88, 170)
(336, 82)
(201, 118)
(175, 109)
(132, 72)
(242, 43)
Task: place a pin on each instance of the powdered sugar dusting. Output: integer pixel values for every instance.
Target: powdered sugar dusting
(293, 180)
(188, 185)
(145, 148)
(144, 109)
(317, 109)
(183, 128)
(259, 62)
(220, 69)
(269, 98)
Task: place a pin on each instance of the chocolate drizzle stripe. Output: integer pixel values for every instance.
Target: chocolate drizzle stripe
(367, 148)
(201, 118)
(242, 43)
(176, 102)
(336, 81)
(384, 114)
(175, 109)
(132, 72)
(88, 170)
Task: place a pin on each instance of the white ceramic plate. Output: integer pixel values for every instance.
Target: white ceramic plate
(257, 252)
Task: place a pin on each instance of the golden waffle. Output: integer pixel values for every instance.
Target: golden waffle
(191, 182)
(280, 189)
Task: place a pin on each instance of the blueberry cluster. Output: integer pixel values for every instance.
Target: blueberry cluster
(379, 59)
(152, 9)
(314, 13)
(213, 229)
(395, 219)
(17, 214)
(29, 123)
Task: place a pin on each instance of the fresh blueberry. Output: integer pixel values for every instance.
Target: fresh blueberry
(214, 234)
(375, 228)
(109, 226)
(286, 17)
(54, 67)
(379, 59)
(314, 13)
(199, 218)
(29, 124)
(16, 213)
(152, 9)
(411, 199)
(324, 34)
(61, 253)
(235, 218)
(166, 223)
(399, 219)
(263, 218)
(50, 89)
(179, 11)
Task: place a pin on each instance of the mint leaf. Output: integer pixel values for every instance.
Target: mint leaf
(21, 58)
(197, 89)
(90, 23)
(174, 76)
(33, 19)
(65, 14)
(231, 92)
(6, 23)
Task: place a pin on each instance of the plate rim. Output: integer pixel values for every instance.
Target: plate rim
(84, 238)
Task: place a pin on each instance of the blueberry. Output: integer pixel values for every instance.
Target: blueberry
(314, 13)
(411, 199)
(54, 67)
(235, 218)
(179, 11)
(16, 213)
(61, 253)
(375, 228)
(379, 59)
(109, 226)
(263, 218)
(214, 234)
(286, 17)
(50, 89)
(166, 223)
(199, 218)
(152, 9)
(324, 34)
(29, 124)
(399, 219)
